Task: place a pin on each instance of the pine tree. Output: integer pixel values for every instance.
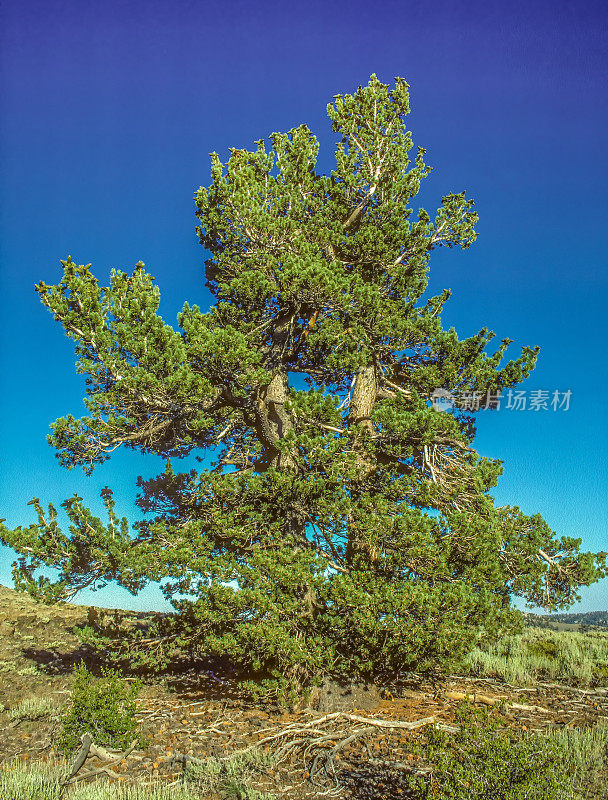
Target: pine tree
(345, 525)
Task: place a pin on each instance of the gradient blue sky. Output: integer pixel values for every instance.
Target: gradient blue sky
(109, 112)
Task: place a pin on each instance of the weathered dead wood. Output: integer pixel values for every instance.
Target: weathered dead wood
(486, 700)
(81, 756)
(521, 707)
(599, 691)
(320, 740)
(184, 759)
(474, 697)
(90, 750)
(399, 766)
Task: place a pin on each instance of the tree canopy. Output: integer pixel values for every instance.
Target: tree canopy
(343, 524)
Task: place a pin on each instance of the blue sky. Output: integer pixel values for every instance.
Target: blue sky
(109, 111)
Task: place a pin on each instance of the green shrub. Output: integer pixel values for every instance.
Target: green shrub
(485, 761)
(547, 648)
(103, 707)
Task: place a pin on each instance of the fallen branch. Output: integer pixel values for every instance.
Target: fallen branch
(600, 690)
(399, 766)
(492, 701)
(520, 707)
(91, 750)
(484, 699)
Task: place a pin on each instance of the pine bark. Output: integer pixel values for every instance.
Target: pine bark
(363, 400)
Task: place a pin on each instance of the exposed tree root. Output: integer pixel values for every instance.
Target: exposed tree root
(320, 741)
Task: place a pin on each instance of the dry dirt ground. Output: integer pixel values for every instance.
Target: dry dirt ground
(198, 714)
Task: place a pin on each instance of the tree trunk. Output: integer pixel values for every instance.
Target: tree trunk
(365, 392)
(363, 400)
(273, 422)
(277, 420)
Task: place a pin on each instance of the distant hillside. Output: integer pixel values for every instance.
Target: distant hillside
(591, 619)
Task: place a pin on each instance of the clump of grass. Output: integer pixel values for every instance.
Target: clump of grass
(576, 658)
(231, 778)
(105, 791)
(37, 781)
(585, 755)
(31, 669)
(43, 781)
(35, 708)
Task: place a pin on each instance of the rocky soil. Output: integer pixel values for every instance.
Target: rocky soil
(198, 713)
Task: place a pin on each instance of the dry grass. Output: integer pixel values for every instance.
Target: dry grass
(585, 754)
(574, 658)
(42, 781)
(35, 708)
(232, 777)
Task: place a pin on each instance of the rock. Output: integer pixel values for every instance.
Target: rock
(333, 695)
(26, 620)
(7, 629)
